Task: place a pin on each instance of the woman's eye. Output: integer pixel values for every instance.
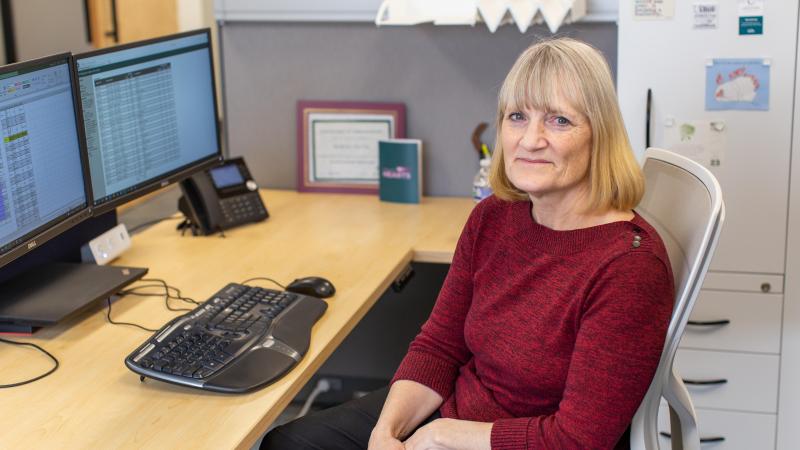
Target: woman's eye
(561, 121)
(516, 116)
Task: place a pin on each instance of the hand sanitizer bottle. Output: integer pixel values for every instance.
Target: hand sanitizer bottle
(480, 185)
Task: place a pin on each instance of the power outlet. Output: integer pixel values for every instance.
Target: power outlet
(334, 383)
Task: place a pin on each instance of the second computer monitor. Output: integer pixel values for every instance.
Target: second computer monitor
(150, 115)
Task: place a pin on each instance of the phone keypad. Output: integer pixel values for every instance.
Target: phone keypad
(242, 209)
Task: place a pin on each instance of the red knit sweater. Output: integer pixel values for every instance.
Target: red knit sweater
(554, 336)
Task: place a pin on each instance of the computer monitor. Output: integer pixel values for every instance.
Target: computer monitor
(44, 184)
(149, 113)
(44, 191)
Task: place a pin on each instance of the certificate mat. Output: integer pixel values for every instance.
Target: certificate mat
(337, 144)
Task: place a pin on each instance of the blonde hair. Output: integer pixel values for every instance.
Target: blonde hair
(578, 73)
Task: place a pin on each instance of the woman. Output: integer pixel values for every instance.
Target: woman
(550, 324)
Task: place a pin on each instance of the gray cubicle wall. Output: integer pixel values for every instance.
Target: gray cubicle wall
(447, 77)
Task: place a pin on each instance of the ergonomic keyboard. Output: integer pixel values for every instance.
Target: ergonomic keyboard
(240, 339)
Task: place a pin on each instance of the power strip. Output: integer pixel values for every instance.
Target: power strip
(109, 245)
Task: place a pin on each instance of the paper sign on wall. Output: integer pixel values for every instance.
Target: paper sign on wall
(741, 84)
(751, 17)
(653, 9)
(701, 141)
(705, 15)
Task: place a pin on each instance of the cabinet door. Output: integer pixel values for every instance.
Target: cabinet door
(753, 322)
(750, 379)
(739, 431)
(754, 169)
(346, 10)
(45, 27)
(119, 21)
(297, 10)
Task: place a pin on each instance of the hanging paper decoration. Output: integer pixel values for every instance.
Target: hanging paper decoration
(493, 13)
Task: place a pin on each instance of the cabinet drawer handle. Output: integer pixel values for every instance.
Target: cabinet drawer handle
(708, 323)
(703, 440)
(704, 382)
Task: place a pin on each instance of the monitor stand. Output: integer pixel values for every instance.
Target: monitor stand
(47, 294)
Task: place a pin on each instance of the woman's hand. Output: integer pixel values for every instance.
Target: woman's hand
(380, 440)
(406, 406)
(451, 434)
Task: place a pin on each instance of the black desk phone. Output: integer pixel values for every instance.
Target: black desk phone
(221, 198)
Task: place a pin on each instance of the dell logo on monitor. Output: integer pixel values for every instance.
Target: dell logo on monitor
(31, 244)
(164, 183)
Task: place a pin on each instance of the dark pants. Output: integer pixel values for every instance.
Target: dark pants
(344, 427)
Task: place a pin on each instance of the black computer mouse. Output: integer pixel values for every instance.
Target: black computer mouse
(314, 286)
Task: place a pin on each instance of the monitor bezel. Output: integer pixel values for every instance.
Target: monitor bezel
(175, 175)
(59, 225)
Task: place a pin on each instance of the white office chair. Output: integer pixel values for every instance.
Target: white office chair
(683, 202)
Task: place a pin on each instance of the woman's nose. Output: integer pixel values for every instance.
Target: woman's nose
(533, 137)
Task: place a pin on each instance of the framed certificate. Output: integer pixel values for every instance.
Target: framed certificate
(337, 144)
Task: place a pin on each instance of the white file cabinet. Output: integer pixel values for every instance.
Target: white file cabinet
(729, 358)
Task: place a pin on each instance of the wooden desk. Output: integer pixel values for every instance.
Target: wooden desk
(94, 401)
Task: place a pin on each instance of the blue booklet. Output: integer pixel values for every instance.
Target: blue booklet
(400, 170)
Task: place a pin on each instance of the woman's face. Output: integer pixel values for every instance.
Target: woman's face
(546, 153)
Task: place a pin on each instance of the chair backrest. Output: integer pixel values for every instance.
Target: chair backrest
(683, 202)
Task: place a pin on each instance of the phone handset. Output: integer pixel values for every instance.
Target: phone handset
(200, 205)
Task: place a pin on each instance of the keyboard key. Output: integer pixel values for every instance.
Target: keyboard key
(211, 364)
(204, 372)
